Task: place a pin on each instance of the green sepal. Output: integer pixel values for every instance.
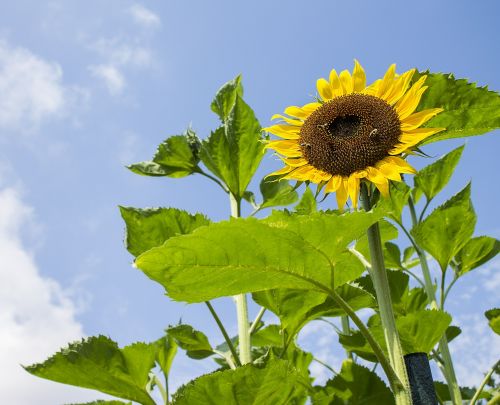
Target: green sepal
(98, 363)
(151, 227)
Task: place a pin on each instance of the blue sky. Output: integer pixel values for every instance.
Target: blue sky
(88, 87)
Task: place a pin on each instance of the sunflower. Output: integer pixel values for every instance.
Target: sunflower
(353, 132)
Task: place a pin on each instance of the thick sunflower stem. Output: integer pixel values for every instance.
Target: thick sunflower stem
(444, 350)
(381, 284)
(241, 302)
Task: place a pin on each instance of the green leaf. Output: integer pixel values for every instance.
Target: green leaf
(307, 203)
(475, 253)
(394, 204)
(268, 336)
(150, 227)
(277, 383)
(418, 331)
(468, 110)
(355, 385)
(295, 308)
(493, 316)
(225, 98)
(387, 232)
(233, 152)
(194, 342)
(452, 332)
(166, 351)
(432, 178)
(448, 228)
(176, 157)
(103, 402)
(276, 193)
(443, 392)
(98, 363)
(248, 255)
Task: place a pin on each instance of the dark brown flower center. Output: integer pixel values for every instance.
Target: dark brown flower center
(349, 133)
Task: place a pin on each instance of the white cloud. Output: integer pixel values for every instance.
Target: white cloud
(31, 88)
(37, 317)
(144, 16)
(112, 77)
(122, 52)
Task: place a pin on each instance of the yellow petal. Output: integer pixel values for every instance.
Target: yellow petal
(298, 112)
(311, 107)
(358, 77)
(342, 193)
(297, 123)
(303, 173)
(333, 184)
(383, 188)
(390, 171)
(375, 175)
(324, 89)
(284, 131)
(417, 119)
(372, 89)
(353, 189)
(335, 83)
(346, 81)
(387, 82)
(402, 165)
(400, 86)
(294, 162)
(407, 104)
(281, 171)
(287, 148)
(415, 136)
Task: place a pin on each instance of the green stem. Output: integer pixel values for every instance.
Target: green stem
(224, 333)
(449, 370)
(346, 330)
(161, 388)
(256, 321)
(325, 365)
(214, 179)
(378, 275)
(394, 380)
(483, 383)
(241, 301)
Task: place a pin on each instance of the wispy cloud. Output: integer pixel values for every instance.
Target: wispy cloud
(31, 88)
(111, 76)
(37, 317)
(143, 16)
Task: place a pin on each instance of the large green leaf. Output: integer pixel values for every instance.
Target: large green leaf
(176, 157)
(475, 253)
(432, 178)
(418, 331)
(468, 110)
(150, 227)
(98, 363)
(103, 402)
(493, 316)
(276, 193)
(295, 308)
(194, 342)
(448, 228)
(248, 255)
(277, 383)
(354, 385)
(226, 96)
(233, 152)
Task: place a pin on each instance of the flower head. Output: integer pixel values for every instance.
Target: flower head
(353, 132)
